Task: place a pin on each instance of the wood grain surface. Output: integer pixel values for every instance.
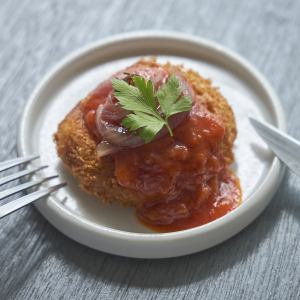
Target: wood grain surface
(38, 262)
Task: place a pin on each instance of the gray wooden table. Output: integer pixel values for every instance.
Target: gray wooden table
(38, 262)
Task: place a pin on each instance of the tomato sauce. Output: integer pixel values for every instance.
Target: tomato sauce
(183, 180)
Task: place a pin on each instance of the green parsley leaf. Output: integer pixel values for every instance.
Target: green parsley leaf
(170, 99)
(130, 97)
(148, 125)
(146, 89)
(141, 101)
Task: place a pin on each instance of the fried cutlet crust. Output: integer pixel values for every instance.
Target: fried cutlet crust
(77, 148)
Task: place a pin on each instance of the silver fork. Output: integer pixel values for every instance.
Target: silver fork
(18, 203)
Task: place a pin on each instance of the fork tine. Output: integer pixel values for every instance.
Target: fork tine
(15, 162)
(20, 174)
(24, 186)
(21, 202)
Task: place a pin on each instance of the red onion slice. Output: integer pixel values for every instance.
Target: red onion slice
(110, 115)
(114, 134)
(104, 148)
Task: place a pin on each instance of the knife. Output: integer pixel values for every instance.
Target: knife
(285, 147)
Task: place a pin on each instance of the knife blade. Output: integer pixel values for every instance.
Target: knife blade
(285, 147)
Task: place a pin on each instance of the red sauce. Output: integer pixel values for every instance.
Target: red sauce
(183, 180)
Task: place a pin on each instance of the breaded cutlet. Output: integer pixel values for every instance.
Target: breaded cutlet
(77, 148)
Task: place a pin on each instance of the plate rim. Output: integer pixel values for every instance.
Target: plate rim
(273, 177)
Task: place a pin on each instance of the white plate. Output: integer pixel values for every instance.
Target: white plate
(115, 229)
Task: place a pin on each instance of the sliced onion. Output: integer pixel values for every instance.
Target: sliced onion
(112, 111)
(110, 115)
(104, 148)
(114, 134)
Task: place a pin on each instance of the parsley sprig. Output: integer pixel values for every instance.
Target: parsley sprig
(150, 110)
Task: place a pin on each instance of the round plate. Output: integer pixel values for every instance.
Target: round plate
(115, 229)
